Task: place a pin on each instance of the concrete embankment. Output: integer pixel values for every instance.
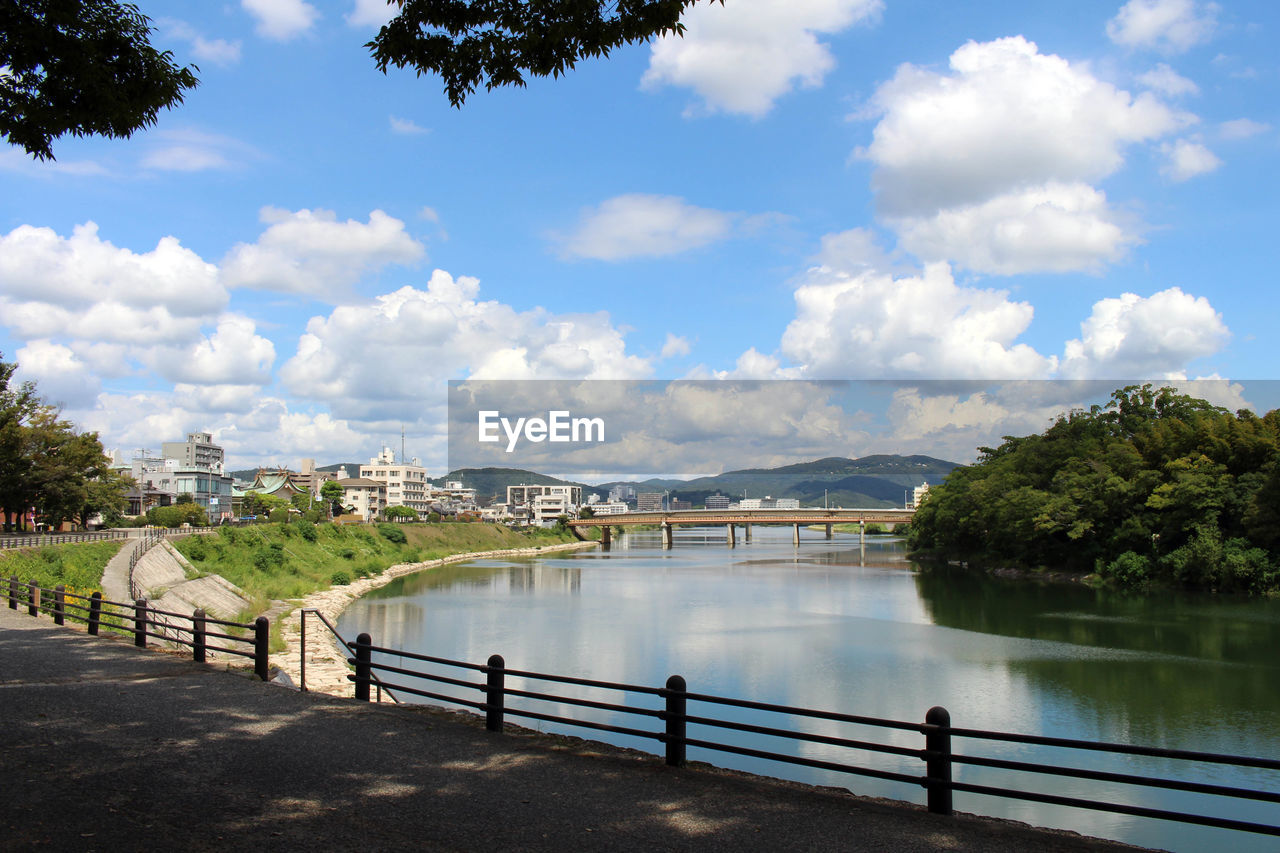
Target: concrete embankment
(326, 660)
(108, 747)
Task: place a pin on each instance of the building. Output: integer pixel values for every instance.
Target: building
(717, 502)
(622, 494)
(677, 504)
(917, 495)
(546, 509)
(609, 508)
(363, 496)
(197, 453)
(649, 502)
(768, 502)
(524, 495)
(405, 482)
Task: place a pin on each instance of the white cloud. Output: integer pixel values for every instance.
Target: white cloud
(193, 150)
(1147, 337)
(82, 276)
(371, 13)
(312, 253)
(233, 355)
(1050, 228)
(384, 358)
(1186, 159)
(675, 346)
(12, 159)
(1242, 128)
(61, 377)
(217, 51)
(407, 127)
(1168, 82)
(868, 324)
(281, 19)
(1006, 118)
(1170, 25)
(742, 56)
(1002, 149)
(638, 225)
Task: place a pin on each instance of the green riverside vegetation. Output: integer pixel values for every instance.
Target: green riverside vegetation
(294, 559)
(1155, 487)
(78, 566)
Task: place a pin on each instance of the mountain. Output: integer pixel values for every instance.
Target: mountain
(491, 483)
(880, 480)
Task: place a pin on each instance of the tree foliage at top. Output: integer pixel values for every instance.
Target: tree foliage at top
(499, 42)
(1154, 486)
(81, 67)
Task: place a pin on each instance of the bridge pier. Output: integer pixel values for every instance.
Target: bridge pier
(606, 536)
(795, 534)
(731, 538)
(668, 540)
(828, 531)
(746, 535)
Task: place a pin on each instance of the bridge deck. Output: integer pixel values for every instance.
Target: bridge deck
(807, 515)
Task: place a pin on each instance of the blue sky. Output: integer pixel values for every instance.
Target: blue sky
(302, 255)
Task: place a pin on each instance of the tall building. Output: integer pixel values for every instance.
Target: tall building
(197, 453)
(717, 502)
(649, 502)
(405, 483)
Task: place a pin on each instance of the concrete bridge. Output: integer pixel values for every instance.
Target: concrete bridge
(733, 518)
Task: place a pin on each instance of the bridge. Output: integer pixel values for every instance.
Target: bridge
(733, 518)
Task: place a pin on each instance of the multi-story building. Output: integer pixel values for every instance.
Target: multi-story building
(768, 502)
(917, 495)
(622, 494)
(609, 508)
(547, 508)
(197, 453)
(523, 495)
(193, 467)
(649, 502)
(717, 502)
(678, 504)
(364, 496)
(406, 483)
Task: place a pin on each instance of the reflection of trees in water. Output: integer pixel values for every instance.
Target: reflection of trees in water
(1211, 629)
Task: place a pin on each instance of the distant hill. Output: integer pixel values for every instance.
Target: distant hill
(881, 480)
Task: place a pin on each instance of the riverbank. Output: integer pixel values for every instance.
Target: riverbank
(326, 659)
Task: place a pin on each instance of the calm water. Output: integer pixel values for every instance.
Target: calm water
(835, 626)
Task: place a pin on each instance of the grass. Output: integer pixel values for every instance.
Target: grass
(79, 566)
(293, 560)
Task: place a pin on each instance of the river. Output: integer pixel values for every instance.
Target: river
(855, 628)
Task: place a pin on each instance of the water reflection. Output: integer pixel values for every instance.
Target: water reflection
(850, 626)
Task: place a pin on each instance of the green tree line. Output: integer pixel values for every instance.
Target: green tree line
(1154, 486)
(47, 465)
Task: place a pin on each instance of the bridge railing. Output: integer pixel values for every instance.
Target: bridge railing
(678, 718)
(144, 622)
(38, 540)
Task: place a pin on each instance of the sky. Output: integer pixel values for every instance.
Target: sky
(301, 256)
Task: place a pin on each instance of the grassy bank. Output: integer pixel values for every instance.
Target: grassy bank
(282, 561)
(79, 566)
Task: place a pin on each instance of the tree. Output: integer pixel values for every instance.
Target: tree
(395, 513)
(81, 67)
(333, 492)
(499, 42)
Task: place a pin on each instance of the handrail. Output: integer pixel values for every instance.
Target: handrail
(37, 540)
(936, 729)
(142, 621)
(302, 651)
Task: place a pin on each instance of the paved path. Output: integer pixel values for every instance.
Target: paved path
(108, 747)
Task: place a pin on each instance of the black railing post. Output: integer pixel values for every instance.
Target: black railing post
(95, 613)
(13, 592)
(140, 623)
(261, 639)
(674, 716)
(59, 604)
(495, 694)
(937, 746)
(364, 656)
(33, 598)
(197, 636)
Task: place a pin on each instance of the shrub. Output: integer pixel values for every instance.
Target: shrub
(229, 533)
(1129, 569)
(348, 554)
(340, 579)
(305, 529)
(196, 548)
(269, 558)
(392, 533)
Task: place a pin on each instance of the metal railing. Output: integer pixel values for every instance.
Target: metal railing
(145, 542)
(144, 622)
(669, 706)
(302, 651)
(39, 540)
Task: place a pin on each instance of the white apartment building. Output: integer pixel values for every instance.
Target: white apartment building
(405, 483)
(363, 496)
(523, 494)
(609, 508)
(547, 508)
